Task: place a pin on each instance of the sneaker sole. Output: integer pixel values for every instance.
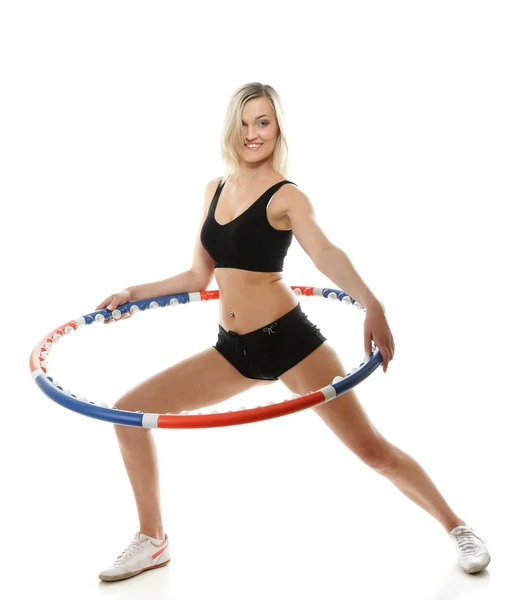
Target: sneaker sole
(132, 574)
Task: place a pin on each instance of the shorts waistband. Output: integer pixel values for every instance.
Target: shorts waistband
(269, 328)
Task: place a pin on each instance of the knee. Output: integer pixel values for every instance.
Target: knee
(121, 404)
(381, 456)
(127, 402)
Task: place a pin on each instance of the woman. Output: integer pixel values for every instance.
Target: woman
(263, 336)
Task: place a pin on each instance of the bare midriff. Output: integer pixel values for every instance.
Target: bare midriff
(251, 299)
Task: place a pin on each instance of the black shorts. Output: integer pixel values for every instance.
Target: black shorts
(269, 351)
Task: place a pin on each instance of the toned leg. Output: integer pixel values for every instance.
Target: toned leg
(348, 420)
(196, 382)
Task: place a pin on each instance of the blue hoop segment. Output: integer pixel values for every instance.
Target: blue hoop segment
(213, 418)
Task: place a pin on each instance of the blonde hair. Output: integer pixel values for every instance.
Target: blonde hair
(233, 133)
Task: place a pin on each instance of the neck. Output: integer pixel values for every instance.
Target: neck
(252, 176)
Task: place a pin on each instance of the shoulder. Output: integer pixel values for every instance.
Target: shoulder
(213, 184)
(301, 218)
(291, 199)
(209, 192)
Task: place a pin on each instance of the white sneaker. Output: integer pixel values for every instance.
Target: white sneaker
(473, 556)
(140, 555)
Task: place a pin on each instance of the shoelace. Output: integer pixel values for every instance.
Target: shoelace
(129, 551)
(465, 541)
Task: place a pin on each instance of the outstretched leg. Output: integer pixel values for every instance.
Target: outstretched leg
(348, 420)
(199, 381)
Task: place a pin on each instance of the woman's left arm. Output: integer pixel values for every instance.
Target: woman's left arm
(337, 266)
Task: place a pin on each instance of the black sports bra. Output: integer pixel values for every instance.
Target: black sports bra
(247, 242)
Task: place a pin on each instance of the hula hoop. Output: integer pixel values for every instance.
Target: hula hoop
(38, 364)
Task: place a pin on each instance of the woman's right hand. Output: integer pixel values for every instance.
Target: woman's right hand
(112, 302)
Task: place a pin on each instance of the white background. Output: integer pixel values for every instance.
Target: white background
(407, 129)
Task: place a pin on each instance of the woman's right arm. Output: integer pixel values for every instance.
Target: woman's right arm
(183, 282)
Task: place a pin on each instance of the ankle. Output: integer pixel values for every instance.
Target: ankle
(454, 524)
(157, 534)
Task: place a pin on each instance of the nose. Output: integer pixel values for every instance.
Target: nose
(250, 136)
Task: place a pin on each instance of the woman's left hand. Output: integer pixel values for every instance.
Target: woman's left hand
(377, 329)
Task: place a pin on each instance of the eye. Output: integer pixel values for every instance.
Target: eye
(265, 123)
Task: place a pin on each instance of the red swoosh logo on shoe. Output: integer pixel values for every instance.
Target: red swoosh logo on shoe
(161, 550)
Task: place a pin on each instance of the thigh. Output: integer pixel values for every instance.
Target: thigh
(196, 382)
(344, 415)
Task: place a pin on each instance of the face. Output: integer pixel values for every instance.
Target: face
(260, 127)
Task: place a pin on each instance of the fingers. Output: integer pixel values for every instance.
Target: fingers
(385, 352)
(112, 302)
(385, 345)
(104, 303)
(386, 349)
(367, 342)
(392, 347)
(107, 303)
(384, 357)
(388, 354)
(124, 316)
